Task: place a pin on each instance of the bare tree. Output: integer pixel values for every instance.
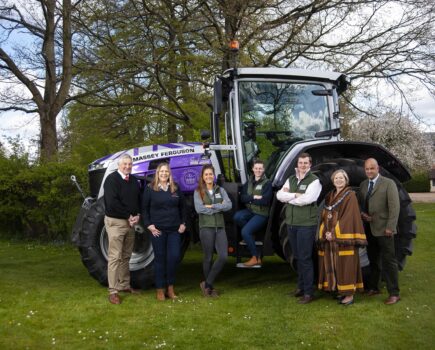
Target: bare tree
(378, 44)
(166, 52)
(36, 62)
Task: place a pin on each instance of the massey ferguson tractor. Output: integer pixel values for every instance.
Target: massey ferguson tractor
(269, 113)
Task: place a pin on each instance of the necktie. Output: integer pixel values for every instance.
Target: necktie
(371, 184)
(369, 192)
(126, 177)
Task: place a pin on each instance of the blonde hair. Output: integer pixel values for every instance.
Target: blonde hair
(342, 172)
(155, 183)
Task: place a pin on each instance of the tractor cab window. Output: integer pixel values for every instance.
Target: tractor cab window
(274, 115)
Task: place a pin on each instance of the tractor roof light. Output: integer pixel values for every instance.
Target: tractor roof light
(234, 45)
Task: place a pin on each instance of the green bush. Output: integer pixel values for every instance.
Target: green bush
(418, 183)
(38, 201)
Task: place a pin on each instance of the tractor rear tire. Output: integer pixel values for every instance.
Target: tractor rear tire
(93, 247)
(406, 228)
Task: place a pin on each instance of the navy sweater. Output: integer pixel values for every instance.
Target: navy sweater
(121, 198)
(163, 209)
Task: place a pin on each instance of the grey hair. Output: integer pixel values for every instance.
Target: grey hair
(124, 156)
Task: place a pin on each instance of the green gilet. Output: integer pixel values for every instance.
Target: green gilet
(301, 215)
(215, 220)
(257, 209)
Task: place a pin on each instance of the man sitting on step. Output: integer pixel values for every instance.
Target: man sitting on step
(256, 194)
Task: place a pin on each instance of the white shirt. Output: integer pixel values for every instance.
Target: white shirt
(163, 187)
(122, 175)
(374, 181)
(310, 196)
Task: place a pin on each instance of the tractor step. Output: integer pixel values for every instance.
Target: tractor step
(259, 243)
(242, 266)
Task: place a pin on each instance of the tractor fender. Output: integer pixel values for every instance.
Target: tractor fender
(323, 152)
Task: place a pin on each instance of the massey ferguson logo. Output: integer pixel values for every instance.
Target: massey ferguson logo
(161, 154)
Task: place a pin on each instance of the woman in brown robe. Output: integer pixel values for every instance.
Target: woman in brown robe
(341, 233)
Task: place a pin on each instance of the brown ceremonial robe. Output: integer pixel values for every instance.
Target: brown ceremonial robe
(339, 266)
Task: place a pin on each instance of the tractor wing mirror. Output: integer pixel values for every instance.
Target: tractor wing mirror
(205, 134)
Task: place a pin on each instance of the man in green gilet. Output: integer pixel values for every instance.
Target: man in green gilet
(300, 193)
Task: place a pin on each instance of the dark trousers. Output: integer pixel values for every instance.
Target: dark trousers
(302, 239)
(382, 257)
(167, 253)
(213, 239)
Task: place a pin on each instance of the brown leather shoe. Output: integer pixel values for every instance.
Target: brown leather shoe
(306, 299)
(298, 293)
(114, 299)
(160, 294)
(252, 262)
(392, 299)
(205, 291)
(171, 293)
(214, 293)
(373, 292)
(131, 291)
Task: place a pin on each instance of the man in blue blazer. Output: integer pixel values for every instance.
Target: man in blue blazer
(380, 207)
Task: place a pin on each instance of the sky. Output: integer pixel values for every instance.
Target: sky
(13, 124)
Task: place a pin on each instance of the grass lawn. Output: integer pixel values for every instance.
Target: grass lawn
(48, 301)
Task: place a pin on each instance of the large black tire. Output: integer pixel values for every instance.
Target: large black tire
(286, 251)
(93, 247)
(406, 228)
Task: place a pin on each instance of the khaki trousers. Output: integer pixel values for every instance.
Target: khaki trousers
(121, 241)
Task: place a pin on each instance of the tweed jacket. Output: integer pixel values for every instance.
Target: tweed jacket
(384, 205)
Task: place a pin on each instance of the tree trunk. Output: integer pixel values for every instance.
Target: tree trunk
(48, 146)
(172, 131)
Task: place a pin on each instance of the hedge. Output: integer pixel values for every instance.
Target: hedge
(38, 201)
(419, 182)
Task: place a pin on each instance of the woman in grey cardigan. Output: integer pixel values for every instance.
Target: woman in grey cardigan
(210, 203)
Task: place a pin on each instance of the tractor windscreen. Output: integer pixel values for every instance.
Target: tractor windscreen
(275, 115)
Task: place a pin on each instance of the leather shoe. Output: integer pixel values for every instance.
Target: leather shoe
(214, 293)
(171, 293)
(204, 289)
(131, 291)
(349, 302)
(298, 293)
(253, 262)
(160, 294)
(306, 299)
(392, 299)
(373, 292)
(114, 299)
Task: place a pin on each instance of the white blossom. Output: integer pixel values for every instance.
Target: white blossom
(398, 134)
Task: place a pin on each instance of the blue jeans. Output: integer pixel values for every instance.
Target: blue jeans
(302, 239)
(250, 223)
(167, 253)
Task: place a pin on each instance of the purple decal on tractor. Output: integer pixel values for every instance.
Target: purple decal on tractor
(140, 167)
(187, 178)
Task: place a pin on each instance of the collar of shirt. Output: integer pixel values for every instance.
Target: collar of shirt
(122, 174)
(298, 175)
(374, 180)
(162, 187)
